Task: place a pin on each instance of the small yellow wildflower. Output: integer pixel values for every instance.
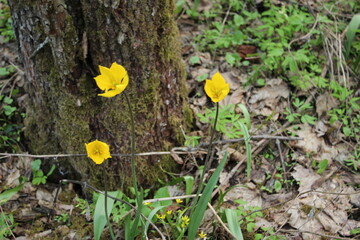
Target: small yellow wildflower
(112, 80)
(202, 235)
(98, 151)
(217, 88)
(160, 216)
(185, 221)
(178, 200)
(169, 212)
(147, 203)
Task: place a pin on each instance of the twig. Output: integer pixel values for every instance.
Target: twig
(169, 198)
(220, 221)
(176, 150)
(282, 162)
(261, 145)
(6, 222)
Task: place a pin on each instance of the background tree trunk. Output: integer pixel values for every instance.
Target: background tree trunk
(62, 42)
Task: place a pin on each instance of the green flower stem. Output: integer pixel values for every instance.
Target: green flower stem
(105, 204)
(133, 173)
(207, 157)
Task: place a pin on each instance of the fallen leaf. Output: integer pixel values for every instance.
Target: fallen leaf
(306, 177)
(252, 197)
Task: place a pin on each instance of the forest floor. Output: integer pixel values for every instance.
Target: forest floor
(305, 124)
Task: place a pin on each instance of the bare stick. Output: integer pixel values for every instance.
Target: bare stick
(282, 162)
(220, 221)
(7, 224)
(176, 150)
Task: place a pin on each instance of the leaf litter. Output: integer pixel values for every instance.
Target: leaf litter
(326, 203)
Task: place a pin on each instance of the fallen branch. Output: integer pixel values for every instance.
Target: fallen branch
(176, 150)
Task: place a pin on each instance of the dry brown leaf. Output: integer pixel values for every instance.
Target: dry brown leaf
(266, 101)
(311, 143)
(252, 197)
(44, 196)
(237, 96)
(275, 88)
(324, 103)
(306, 177)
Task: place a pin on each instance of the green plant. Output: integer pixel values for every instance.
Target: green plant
(7, 222)
(302, 107)
(10, 123)
(248, 215)
(353, 28)
(229, 120)
(62, 218)
(191, 141)
(38, 175)
(84, 205)
(354, 160)
(321, 166)
(6, 30)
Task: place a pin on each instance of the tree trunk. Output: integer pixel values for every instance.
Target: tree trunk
(62, 42)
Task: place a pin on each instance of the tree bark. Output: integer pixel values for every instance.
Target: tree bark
(62, 42)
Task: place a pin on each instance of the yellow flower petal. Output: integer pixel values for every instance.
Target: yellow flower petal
(98, 151)
(202, 234)
(112, 93)
(217, 88)
(103, 82)
(112, 80)
(118, 71)
(107, 72)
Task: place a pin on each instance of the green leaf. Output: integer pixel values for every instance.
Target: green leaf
(277, 186)
(347, 131)
(99, 214)
(7, 194)
(232, 58)
(202, 77)
(194, 60)
(238, 20)
(276, 52)
(246, 113)
(248, 148)
(197, 213)
(8, 100)
(162, 193)
(35, 165)
(8, 110)
(151, 215)
(308, 119)
(51, 170)
(234, 224)
(322, 166)
(189, 184)
(350, 33)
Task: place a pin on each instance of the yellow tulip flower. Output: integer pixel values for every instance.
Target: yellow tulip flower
(112, 80)
(217, 88)
(98, 151)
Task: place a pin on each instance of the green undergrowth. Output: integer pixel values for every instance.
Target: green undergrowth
(293, 43)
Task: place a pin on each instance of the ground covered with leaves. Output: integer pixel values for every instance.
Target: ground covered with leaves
(293, 70)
